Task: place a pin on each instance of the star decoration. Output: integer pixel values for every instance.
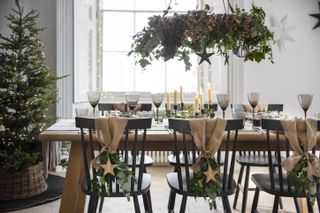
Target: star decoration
(281, 31)
(205, 56)
(108, 168)
(211, 174)
(317, 16)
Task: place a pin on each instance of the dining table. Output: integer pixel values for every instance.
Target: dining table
(159, 138)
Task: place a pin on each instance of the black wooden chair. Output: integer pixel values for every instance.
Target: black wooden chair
(248, 160)
(142, 184)
(276, 182)
(178, 180)
(214, 107)
(275, 107)
(146, 107)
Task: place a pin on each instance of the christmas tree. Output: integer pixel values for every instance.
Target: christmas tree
(27, 88)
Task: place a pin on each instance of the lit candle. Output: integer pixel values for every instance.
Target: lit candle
(196, 104)
(209, 94)
(175, 95)
(181, 94)
(201, 98)
(168, 101)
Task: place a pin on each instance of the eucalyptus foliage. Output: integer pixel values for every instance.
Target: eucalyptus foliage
(177, 36)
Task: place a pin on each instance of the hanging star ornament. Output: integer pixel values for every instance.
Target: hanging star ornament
(108, 168)
(317, 16)
(281, 30)
(204, 56)
(210, 174)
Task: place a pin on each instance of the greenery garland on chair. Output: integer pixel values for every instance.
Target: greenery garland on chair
(302, 179)
(167, 37)
(111, 169)
(205, 182)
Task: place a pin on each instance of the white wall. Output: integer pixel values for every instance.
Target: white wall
(297, 67)
(47, 19)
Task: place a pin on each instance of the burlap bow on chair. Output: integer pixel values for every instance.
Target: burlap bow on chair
(109, 132)
(302, 136)
(207, 134)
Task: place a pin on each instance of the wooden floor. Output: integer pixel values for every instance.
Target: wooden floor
(160, 193)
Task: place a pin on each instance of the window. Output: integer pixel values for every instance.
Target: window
(121, 20)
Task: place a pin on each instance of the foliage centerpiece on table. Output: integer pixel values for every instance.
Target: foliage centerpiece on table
(242, 33)
(27, 88)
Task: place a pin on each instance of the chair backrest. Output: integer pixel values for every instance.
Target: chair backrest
(184, 143)
(277, 141)
(105, 107)
(214, 107)
(275, 107)
(132, 142)
(146, 107)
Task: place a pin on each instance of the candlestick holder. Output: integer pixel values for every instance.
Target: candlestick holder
(182, 106)
(175, 107)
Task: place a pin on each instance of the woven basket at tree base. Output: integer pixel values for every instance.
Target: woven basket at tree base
(27, 184)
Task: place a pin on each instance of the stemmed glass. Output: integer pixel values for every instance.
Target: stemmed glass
(223, 101)
(132, 100)
(94, 97)
(305, 101)
(253, 98)
(157, 100)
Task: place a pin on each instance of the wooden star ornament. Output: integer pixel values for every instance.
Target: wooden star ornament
(210, 174)
(317, 16)
(108, 168)
(204, 56)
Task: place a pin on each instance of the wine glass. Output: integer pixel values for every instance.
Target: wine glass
(132, 100)
(253, 98)
(223, 101)
(157, 99)
(305, 101)
(94, 97)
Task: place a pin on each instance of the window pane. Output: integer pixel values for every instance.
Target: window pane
(184, 5)
(118, 72)
(152, 79)
(118, 4)
(150, 5)
(176, 75)
(117, 31)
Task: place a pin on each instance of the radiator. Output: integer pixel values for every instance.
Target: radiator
(159, 157)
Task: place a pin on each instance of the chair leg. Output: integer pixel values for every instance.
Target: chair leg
(150, 202)
(226, 204)
(183, 204)
(101, 204)
(275, 204)
(90, 204)
(280, 203)
(95, 205)
(136, 204)
(296, 204)
(172, 199)
(318, 201)
(214, 205)
(145, 202)
(235, 201)
(310, 207)
(255, 200)
(245, 190)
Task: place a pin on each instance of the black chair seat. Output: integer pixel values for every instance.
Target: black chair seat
(148, 161)
(145, 186)
(172, 179)
(254, 160)
(263, 182)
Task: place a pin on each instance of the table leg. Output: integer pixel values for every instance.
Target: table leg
(303, 205)
(73, 199)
